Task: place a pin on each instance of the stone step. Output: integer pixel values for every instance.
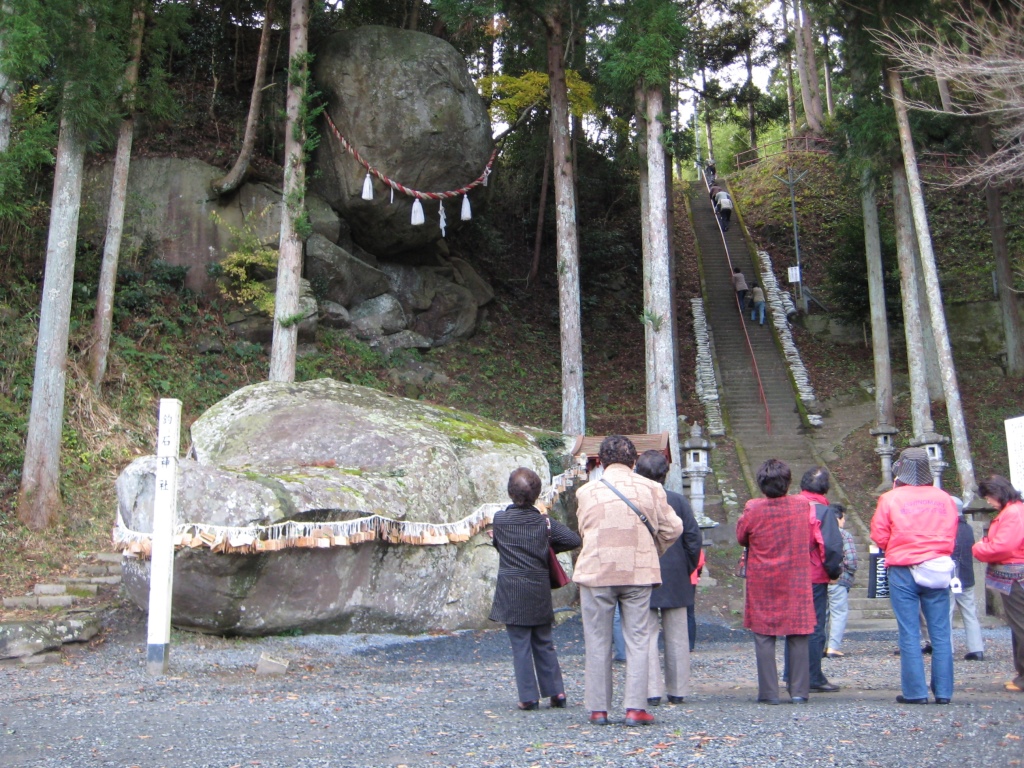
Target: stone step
(112, 558)
(882, 613)
(49, 589)
(871, 625)
(42, 601)
(98, 580)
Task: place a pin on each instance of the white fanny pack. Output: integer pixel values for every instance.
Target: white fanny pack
(935, 573)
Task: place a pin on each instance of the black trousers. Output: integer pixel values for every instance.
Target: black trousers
(816, 640)
(534, 661)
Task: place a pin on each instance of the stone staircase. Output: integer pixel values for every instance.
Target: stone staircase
(743, 409)
(37, 625)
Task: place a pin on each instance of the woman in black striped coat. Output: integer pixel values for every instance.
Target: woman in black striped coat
(522, 598)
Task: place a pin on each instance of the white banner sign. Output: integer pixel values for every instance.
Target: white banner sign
(794, 274)
(1015, 450)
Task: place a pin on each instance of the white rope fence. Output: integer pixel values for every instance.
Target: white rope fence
(248, 539)
(782, 307)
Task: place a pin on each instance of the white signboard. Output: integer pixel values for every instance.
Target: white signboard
(794, 274)
(161, 572)
(1015, 450)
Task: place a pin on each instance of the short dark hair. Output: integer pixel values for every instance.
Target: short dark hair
(773, 478)
(617, 449)
(815, 480)
(653, 465)
(839, 510)
(1000, 489)
(523, 486)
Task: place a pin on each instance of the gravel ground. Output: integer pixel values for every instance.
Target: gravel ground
(450, 701)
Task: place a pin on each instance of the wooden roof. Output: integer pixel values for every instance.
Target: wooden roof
(590, 444)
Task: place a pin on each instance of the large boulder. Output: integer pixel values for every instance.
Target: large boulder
(340, 276)
(407, 104)
(452, 315)
(170, 206)
(322, 454)
(256, 326)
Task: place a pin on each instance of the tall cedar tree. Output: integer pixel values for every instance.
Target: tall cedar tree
(78, 48)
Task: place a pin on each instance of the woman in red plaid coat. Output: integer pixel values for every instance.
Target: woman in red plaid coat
(779, 532)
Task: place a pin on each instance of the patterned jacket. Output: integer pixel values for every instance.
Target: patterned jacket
(849, 559)
(778, 534)
(618, 550)
(523, 592)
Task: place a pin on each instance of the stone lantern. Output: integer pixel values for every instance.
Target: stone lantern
(885, 448)
(696, 467)
(932, 442)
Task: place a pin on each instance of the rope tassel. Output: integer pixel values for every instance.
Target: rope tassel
(417, 212)
(367, 188)
(444, 221)
(467, 214)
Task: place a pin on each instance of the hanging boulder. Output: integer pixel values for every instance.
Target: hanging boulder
(407, 104)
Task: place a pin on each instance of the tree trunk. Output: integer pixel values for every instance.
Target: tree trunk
(39, 498)
(659, 311)
(876, 298)
(6, 93)
(827, 70)
(289, 264)
(790, 90)
(906, 251)
(814, 91)
(573, 408)
(944, 96)
(103, 319)
(707, 118)
(414, 15)
(954, 409)
(541, 212)
(751, 110)
(650, 380)
(234, 177)
(1012, 326)
(803, 70)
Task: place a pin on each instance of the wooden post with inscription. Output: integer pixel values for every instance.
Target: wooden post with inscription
(161, 567)
(1015, 450)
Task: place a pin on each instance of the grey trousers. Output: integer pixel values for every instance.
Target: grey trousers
(969, 613)
(532, 649)
(598, 607)
(672, 623)
(768, 671)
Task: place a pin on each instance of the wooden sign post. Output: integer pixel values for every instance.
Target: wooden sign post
(1015, 450)
(161, 567)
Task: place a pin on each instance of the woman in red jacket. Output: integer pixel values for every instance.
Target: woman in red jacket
(1003, 550)
(778, 531)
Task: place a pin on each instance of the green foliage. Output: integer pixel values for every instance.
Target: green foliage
(32, 140)
(509, 96)
(249, 262)
(847, 277)
(78, 49)
(648, 38)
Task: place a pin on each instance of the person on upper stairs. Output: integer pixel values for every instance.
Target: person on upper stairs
(723, 207)
(757, 302)
(739, 284)
(710, 170)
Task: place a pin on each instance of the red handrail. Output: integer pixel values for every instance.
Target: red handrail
(811, 144)
(743, 324)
